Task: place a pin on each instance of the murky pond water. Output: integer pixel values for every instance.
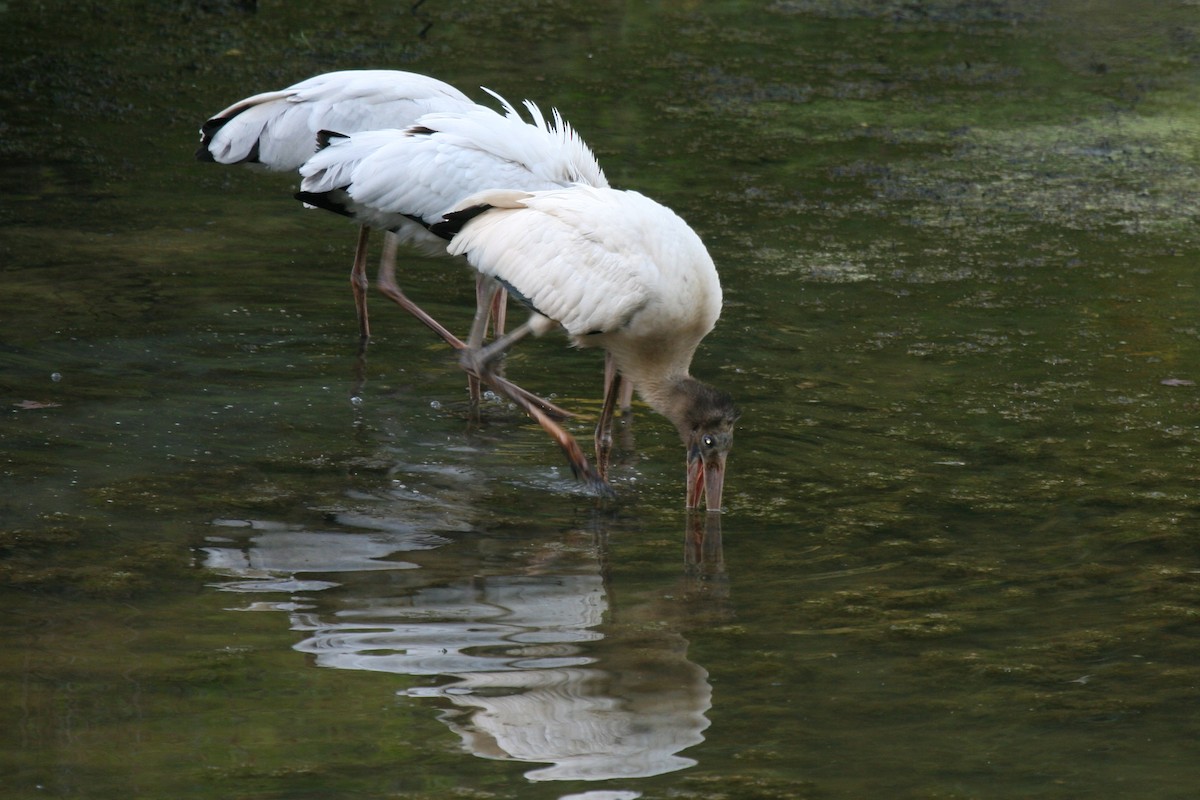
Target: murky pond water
(960, 553)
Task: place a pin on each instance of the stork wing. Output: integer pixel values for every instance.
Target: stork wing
(576, 255)
(445, 156)
(278, 129)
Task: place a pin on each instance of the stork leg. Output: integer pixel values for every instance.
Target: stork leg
(626, 400)
(479, 361)
(612, 390)
(387, 285)
(358, 286)
(478, 357)
(618, 405)
(486, 293)
(386, 282)
(575, 457)
(496, 300)
(359, 283)
(499, 313)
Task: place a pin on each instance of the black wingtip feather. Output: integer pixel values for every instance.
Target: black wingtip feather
(323, 200)
(452, 223)
(325, 138)
(213, 125)
(209, 130)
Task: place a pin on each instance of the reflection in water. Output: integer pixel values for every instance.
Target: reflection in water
(276, 555)
(535, 671)
(704, 562)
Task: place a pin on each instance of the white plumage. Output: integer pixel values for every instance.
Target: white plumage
(278, 130)
(619, 271)
(405, 180)
(615, 269)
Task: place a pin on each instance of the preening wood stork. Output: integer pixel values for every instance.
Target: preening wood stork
(406, 180)
(619, 271)
(278, 130)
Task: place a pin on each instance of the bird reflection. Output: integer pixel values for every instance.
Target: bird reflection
(704, 562)
(536, 664)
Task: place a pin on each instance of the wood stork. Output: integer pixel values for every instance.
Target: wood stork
(619, 271)
(278, 130)
(405, 180)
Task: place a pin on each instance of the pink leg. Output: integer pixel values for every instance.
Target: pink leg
(498, 304)
(387, 285)
(358, 282)
(604, 425)
(625, 399)
(499, 313)
(478, 360)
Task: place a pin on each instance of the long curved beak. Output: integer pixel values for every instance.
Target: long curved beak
(705, 480)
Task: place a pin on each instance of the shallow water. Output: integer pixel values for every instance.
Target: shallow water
(959, 555)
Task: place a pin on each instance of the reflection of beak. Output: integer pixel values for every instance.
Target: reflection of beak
(705, 479)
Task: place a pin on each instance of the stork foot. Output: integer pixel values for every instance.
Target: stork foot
(598, 485)
(478, 362)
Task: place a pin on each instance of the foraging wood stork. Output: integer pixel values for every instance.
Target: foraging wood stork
(278, 130)
(619, 271)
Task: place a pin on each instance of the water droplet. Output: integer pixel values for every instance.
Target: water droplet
(56, 376)
(355, 400)
(434, 404)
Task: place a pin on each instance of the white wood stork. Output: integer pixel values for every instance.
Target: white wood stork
(278, 130)
(405, 180)
(619, 271)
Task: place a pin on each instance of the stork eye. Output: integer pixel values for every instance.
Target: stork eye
(709, 441)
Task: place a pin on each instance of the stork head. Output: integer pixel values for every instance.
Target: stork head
(705, 417)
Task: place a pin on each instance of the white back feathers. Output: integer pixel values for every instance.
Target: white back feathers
(404, 180)
(444, 156)
(597, 261)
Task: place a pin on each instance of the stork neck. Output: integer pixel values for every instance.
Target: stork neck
(670, 396)
(651, 369)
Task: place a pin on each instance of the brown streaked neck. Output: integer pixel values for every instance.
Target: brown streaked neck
(691, 405)
(660, 375)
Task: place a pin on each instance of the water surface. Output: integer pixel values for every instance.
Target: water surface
(959, 557)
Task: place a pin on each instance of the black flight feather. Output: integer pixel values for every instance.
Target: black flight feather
(324, 138)
(209, 129)
(326, 200)
(454, 222)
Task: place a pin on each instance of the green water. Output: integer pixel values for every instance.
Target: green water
(960, 552)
